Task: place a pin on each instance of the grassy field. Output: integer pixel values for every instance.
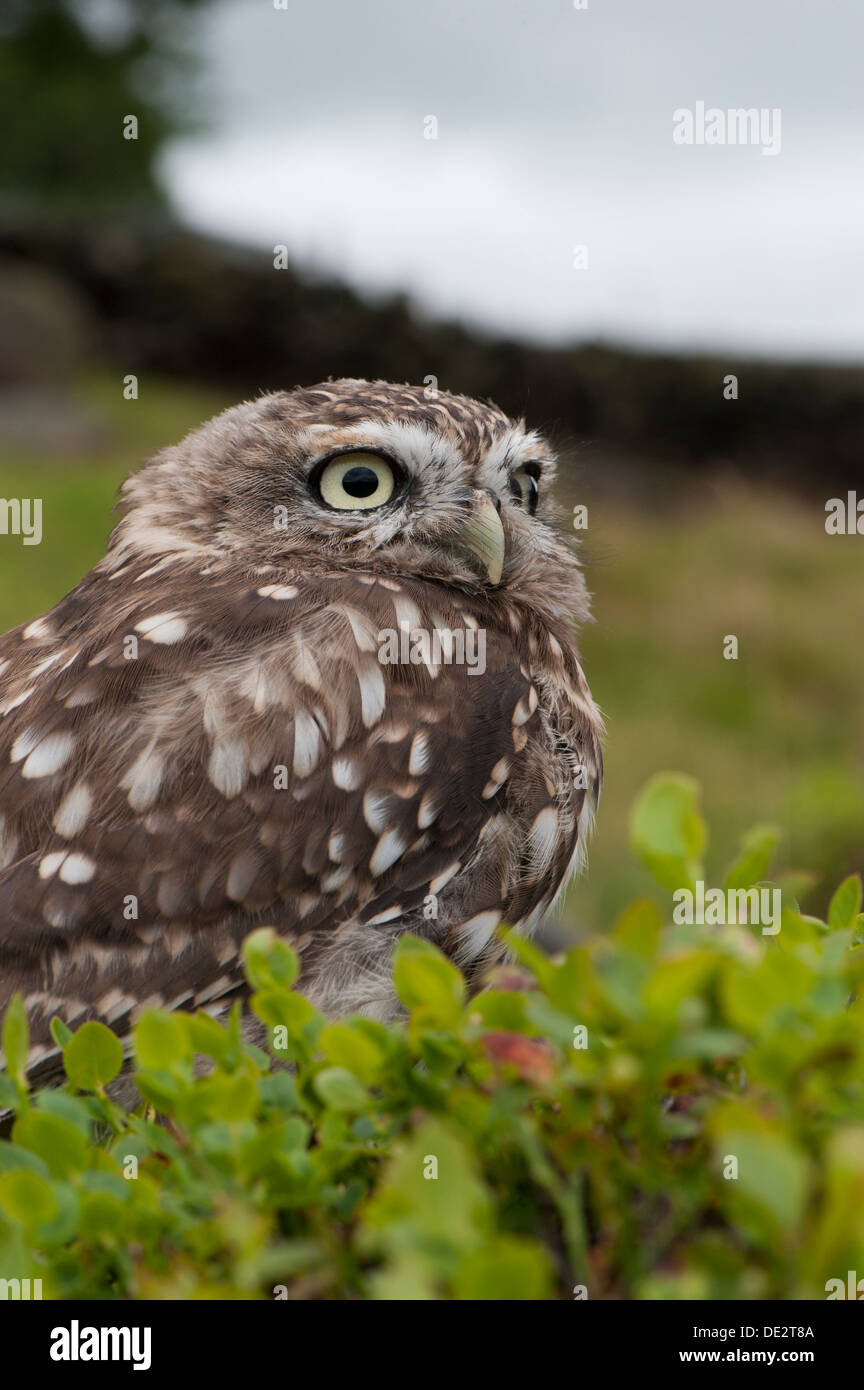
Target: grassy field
(776, 735)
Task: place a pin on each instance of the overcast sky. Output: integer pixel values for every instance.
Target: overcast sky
(555, 130)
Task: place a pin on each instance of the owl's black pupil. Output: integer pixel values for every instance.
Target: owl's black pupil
(360, 481)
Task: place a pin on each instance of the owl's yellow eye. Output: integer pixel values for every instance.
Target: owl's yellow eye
(525, 487)
(356, 482)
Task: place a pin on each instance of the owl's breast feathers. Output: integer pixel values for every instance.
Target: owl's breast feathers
(173, 773)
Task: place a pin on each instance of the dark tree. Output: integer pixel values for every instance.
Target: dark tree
(69, 74)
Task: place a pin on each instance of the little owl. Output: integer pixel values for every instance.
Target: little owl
(324, 679)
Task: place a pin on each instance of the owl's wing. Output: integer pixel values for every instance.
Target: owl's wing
(174, 771)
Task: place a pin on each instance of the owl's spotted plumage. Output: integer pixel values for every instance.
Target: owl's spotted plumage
(203, 736)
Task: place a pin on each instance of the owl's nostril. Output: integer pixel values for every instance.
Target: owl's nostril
(494, 499)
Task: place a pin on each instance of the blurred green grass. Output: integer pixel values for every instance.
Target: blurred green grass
(777, 735)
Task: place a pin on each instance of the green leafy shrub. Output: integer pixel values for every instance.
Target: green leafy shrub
(574, 1130)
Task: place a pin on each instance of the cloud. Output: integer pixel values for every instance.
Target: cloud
(555, 130)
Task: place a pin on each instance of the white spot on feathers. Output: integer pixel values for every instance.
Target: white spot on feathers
(164, 628)
(346, 774)
(476, 932)
(307, 743)
(421, 754)
(77, 868)
(227, 768)
(74, 811)
(50, 755)
(388, 849)
(144, 780)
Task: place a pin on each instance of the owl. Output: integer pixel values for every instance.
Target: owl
(325, 678)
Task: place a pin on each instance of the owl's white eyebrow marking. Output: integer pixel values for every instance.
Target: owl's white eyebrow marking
(391, 845)
(52, 753)
(412, 444)
(73, 811)
(514, 449)
(346, 774)
(165, 628)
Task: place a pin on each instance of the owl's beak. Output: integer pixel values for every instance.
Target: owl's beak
(481, 537)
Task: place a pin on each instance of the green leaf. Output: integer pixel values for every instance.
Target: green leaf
(424, 977)
(667, 831)
(12, 1157)
(270, 963)
(772, 1174)
(16, 1037)
(28, 1198)
(340, 1089)
(206, 1035)
(349, 1046)
(60, 1032)
(755, 858)
(59, 1143)
(92, 1057)
(845, 904)
(432, 1197)
(638, 928)
(508, 1268)
(10, 1094)
(161, 1041)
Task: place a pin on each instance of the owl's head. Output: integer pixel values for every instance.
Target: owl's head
(352, 474)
